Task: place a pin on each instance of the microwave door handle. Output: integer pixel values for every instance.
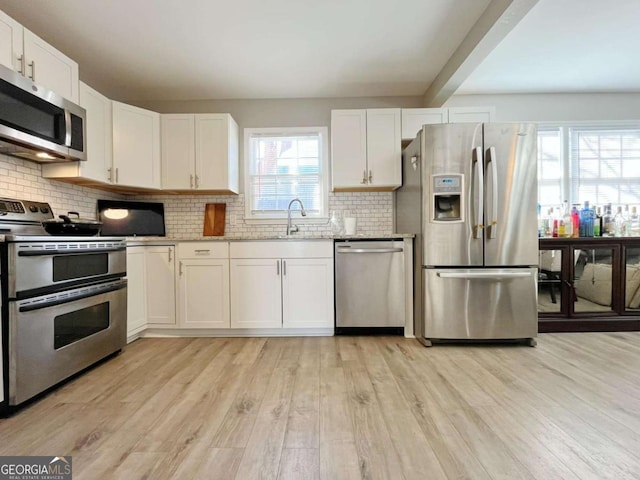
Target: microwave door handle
(477, 186)
(491, 160)
(67, 128)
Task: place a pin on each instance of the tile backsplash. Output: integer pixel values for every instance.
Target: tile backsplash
(184, 214)
(22, 179)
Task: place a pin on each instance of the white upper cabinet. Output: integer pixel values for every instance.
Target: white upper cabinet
(10, 42)
(178, 151)
(136, 146)
(34, 58)
(200, 152)
(414, 118)
(366, 149)
(99, 142)
(384, 148)
(471, 114)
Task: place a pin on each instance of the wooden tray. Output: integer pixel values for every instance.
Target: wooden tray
(214, 219)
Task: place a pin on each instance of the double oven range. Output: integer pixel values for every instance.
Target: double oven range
(64, 300)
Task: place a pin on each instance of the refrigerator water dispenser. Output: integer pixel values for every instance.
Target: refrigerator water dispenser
(447, 198)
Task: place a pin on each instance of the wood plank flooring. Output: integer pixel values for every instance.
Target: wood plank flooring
(346, 408)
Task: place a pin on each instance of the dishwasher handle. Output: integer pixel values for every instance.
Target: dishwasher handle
(368, 250)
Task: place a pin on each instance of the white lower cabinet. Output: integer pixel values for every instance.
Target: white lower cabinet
(136, 291)
(282, 284)
(203, 285)
(161, 285)
(151, 301)
(307, 293)
(256, 293)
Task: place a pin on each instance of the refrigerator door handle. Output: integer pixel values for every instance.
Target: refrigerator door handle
(485, 275)
(478, 188)
(493, 225)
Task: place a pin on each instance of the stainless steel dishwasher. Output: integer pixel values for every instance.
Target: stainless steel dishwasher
(370, 286)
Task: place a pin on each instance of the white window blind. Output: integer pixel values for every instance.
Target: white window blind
(605, 165)
(283, 164)
(549, 167)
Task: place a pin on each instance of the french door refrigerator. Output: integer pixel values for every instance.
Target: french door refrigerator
(469, 195)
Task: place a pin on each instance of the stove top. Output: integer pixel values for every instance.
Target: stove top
(21, 220)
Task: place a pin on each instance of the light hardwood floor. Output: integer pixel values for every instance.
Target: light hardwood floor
(346, 407)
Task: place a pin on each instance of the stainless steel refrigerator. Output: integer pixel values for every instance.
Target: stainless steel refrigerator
(469, 194)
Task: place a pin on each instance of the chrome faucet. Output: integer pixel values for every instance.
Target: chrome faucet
(294, 229)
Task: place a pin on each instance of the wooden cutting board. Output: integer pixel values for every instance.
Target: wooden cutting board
(214, 218)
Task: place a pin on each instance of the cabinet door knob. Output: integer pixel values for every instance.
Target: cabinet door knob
(33, 70)
(364, 177)
(284, 267)
(197, 181)
(180, 268)
(191, 181)
(278, 267)
(370, 176)
(169, 252)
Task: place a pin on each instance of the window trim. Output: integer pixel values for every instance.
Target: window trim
(564, 127)
(323, 216)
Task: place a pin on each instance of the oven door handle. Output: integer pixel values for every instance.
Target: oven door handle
(63, 300)
(42, 253)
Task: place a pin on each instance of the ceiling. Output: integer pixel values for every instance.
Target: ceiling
(209, 49)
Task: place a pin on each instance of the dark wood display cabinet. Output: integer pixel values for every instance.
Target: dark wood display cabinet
(589, 284)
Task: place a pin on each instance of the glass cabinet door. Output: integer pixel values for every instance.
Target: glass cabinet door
(550, 291)
(593, 280)
(632, 279)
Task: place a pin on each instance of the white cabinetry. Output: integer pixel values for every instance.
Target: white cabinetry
(282, 284)
(150, 288)
(161, 285)
(203, 285)
(200, 152)
(34, 58)
(98, 166)
(366, 149)
(471, 114)
(414, 118)
(136, 146)
(136, 292)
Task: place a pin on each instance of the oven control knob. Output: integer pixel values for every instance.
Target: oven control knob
(44, 209)
(33, 209)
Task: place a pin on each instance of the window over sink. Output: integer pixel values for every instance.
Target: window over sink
(282, 164)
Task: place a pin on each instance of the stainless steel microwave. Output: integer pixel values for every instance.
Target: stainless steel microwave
(38, 124)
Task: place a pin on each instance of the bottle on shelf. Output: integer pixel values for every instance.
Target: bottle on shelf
(586, 221)
(634, 223)
(597, 225)
(540, 222)
(607, 220)
(619, 223)
(575, 220)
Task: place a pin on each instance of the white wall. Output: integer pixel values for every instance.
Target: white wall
(558, 107)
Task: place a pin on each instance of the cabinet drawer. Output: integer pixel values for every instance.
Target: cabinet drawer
(203, 250)
(282, 249)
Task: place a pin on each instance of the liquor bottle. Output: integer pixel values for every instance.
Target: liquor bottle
(619, 224)
(586, 221)
(634, 223)
(575, 220)
(597, 225)
(607, 220)
(567, 223)
(540, 222)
